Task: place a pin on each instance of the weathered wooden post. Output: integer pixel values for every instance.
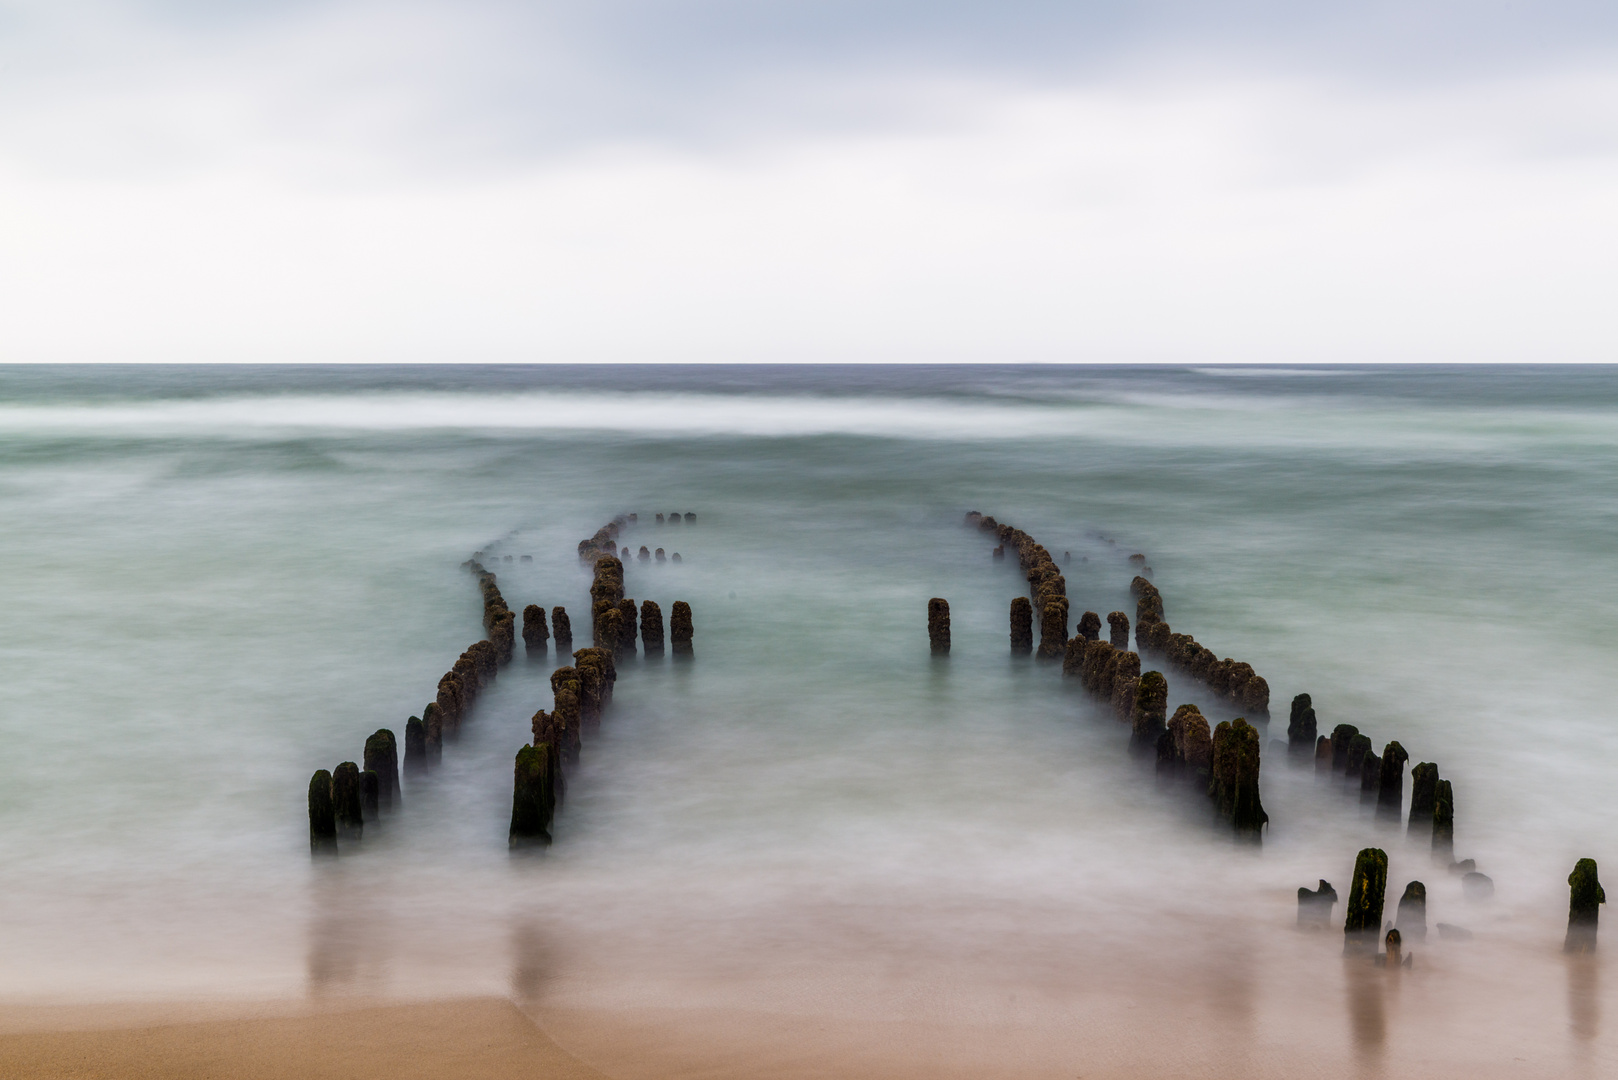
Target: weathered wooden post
(1118, 624)
(1412, 916)
(1363, 925)
(1423, 793)
(680, 629)
(1444, 823)
(938, 625)
(563, 628)
(1148, 718)
(1314, 906)
(651, 628)
(382, 756)
(1391, 783)
(415, 759)
(322, 815)
(347, 800)
(1022, 626)
(530, 798)
(1584, 907)
(536, 635)
(1301, 727)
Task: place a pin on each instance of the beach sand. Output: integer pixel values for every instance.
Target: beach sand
(474, 1039)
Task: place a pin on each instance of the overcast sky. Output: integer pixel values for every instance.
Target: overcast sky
(747, 180)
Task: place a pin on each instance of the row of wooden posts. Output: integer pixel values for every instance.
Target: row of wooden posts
(581, 692)
(1226, 761)
(343, 800)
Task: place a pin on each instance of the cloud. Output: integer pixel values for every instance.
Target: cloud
(795, 181)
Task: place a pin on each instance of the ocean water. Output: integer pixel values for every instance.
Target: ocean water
(814, 849)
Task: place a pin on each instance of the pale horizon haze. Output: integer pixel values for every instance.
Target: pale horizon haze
(726, 181)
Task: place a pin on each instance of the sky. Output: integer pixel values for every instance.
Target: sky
(794, 181)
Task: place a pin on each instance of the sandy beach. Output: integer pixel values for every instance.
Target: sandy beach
(474, 1039)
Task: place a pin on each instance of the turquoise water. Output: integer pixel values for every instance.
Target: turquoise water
(220, 580)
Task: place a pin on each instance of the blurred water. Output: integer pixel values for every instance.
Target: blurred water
(222, 579)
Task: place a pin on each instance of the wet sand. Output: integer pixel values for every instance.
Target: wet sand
(475, 1039)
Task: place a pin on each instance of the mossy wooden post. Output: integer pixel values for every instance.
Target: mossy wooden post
(1148, 719)
(1022, 626)
(609, 625)
(370, 795)
(382, 756)
(1363, 925)
(1073, 658)
(1302, 727)
(626, 628)
(1322, 755)
(530, 824)
(432, 725)
(680, 628)
(1391, 783)
(1444, 823)
(347, 800)
(1423, 792)
(1412, 916)
(1341, 736)
(536, 635)
(1234, 783)
(322, 815)
(1089, 626)
(1125, 685)
(1052, 630)
(651, 628)
(1118, 624)
(938, 626)
(562, 626)
(1354, 761)
(1584, 907)
(415, 759)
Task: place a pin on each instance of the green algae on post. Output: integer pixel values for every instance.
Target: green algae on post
(1584, 907)
(1118, 624)
(1363, 922)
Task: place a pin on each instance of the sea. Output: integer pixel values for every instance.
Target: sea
(814, 848)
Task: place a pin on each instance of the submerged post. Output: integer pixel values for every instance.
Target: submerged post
(1412, 917)
(680, 629)
(1301, 727)
(415, 759)
(1148, 717)
(322, 815)
(1391, 783)
(1423, 793)
(651, 628)
(1584, 907)
(938, 625)
(382, 757)
(1022, 625)
(530, 821)
(1118, 623)
(347, 800)
(1363, 924)
(1444, 823)
(536, 635)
